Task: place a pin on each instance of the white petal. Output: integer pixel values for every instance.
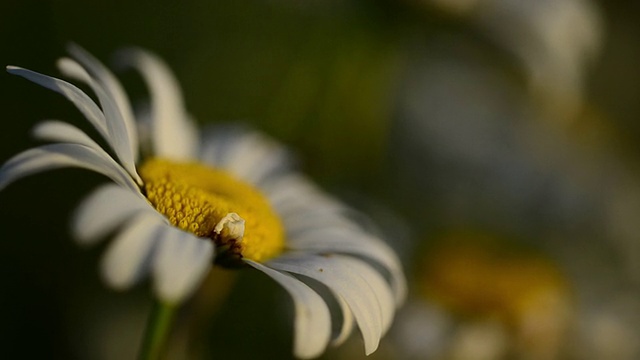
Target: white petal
(316, 222)
(106, 209)
(54, 156)
(378, 285)
(174, 135)
(347, 322)
(116, 128)
(356, 242)
(312, 320)
(112, 87)
(182, 261)
(83, 102)
(216, 140)
(292, 194)
(247, 154)
(59, 131)
(128, 257)
(298, 225)
(335, 273)
(307, 219)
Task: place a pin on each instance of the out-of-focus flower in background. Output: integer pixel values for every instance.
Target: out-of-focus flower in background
(499, 301)
(555, 41)
(480, 296)
(487, 152)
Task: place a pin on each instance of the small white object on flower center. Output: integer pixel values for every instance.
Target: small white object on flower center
(234, 225)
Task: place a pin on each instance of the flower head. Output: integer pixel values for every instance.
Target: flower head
(226, 196)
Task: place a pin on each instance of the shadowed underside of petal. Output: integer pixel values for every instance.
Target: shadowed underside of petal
(106, 209)
(294, 193)
(127, 259)
(181, 262)
(173, 133)
(347, 322)
(312, 320)
(247, 154)
(308, 219)
(340, 278)
(54, 156)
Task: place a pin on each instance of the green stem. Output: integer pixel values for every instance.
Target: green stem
(157, 331)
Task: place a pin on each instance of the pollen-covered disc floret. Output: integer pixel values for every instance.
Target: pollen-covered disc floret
(211, 203)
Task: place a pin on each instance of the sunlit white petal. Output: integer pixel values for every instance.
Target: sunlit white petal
(54, 156)
(116, 127)
(173, 133)
(348, 241)
(378, 285)
(112, 87)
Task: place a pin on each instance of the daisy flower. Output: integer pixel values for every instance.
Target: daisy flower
(181, 201)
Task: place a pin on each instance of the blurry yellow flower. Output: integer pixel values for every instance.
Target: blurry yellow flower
(481, 280)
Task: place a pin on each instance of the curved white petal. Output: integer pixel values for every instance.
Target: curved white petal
(312, 320)
(59, 131)
(81, 100)
(116, 127)
(128, 257)
(181, 262)
(174, 135)
(356, 242)
(106, 209)
(54, 156)
(112, 87)
(378, 285)
(317, 222)
(340, 278)
(347, 323)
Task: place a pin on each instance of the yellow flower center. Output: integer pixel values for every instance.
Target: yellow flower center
(212, 203)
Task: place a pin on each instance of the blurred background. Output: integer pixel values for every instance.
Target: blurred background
(494, 142)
